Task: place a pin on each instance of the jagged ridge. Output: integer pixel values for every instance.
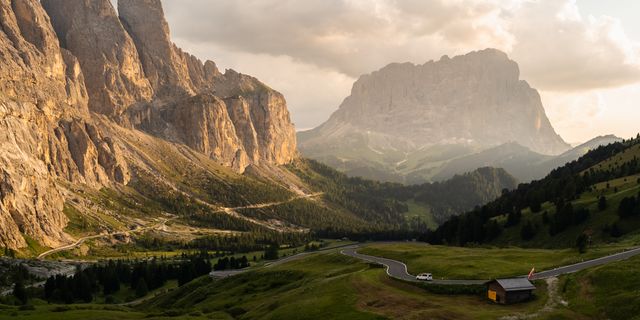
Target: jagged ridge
(81, 86)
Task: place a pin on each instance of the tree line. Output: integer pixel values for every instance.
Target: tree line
(560, 187)
(109, 278)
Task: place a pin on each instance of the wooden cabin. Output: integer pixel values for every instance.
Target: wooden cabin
(508, 291)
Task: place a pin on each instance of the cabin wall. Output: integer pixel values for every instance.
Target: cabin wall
(518, 296)
(500, 293)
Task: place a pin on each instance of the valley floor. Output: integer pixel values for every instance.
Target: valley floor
(328, 285)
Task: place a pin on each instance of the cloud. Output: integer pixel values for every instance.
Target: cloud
(560, 50)
(312, 93)
(556, 47)
(580, 116)
(313, 50)
(350, 36)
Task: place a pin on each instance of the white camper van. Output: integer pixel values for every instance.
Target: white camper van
(424, 277)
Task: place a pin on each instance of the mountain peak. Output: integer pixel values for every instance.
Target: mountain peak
(475, 101)
(475, 97)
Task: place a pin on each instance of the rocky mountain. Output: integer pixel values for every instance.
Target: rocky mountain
(419, 117)
(86, 95)
(110, 132)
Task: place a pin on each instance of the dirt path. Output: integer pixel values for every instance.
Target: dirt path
(162, 224)
(82, 240)
(553, 300)
(273, 204)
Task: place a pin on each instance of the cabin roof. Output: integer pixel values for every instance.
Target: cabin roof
(514, 284)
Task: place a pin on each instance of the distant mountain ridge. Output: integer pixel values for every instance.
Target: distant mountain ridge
(407, 120)
(597, 196)
(519, 161)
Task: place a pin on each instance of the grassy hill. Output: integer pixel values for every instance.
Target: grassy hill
(475, 263)
(606, 292)
(320, 286)
(565, 205)
(328, 285)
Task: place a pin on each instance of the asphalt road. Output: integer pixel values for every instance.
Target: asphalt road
(398, 270)
(229, 273)
(587, 264)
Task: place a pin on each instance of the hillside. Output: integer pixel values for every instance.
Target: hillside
(430, 203)
(519, 161)
(594, 198)
(92, 99)
(419, 117)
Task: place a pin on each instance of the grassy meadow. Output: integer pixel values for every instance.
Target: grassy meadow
(478, 263)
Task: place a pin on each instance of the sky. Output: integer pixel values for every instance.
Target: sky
(582, 55)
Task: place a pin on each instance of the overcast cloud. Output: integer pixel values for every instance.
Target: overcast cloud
(313, 50)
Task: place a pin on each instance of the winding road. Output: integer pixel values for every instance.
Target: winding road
(230, 211)
(587, 264)
(102, 235)
(398, 270)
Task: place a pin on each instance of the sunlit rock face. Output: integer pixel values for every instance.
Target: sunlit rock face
(476, 100)
(78, 80)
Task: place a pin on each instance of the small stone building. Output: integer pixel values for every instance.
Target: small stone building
(508, 291)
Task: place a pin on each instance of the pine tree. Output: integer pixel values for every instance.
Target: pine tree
(602, 203)
(271, 252)
(49, 288)
(83, 287)
(20, 293)
(545, 217)
(582, 242)
(141, 288)
(528, 231)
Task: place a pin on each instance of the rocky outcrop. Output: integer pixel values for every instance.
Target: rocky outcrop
(163, 64)
(475, 101)
(41, 85)
(203, 123)
(260, 119)
(269, 114)
(91, 31)
(78, 83)
(240, 114)
(96, 158)
(32, 84)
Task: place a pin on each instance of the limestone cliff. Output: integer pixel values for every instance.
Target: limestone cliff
(163, 64)
(203, 123)
(471, 102)
(262, 123)
(43, 102)
(92, 31)
(78, 82)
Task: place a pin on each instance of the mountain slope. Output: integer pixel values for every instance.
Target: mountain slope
(452, 107)
(595, 196)
(86, 97)
(519, 161)
(427, 203)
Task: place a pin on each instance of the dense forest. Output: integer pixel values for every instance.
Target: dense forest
(386, 202)
(562, 186)
(108, 278)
